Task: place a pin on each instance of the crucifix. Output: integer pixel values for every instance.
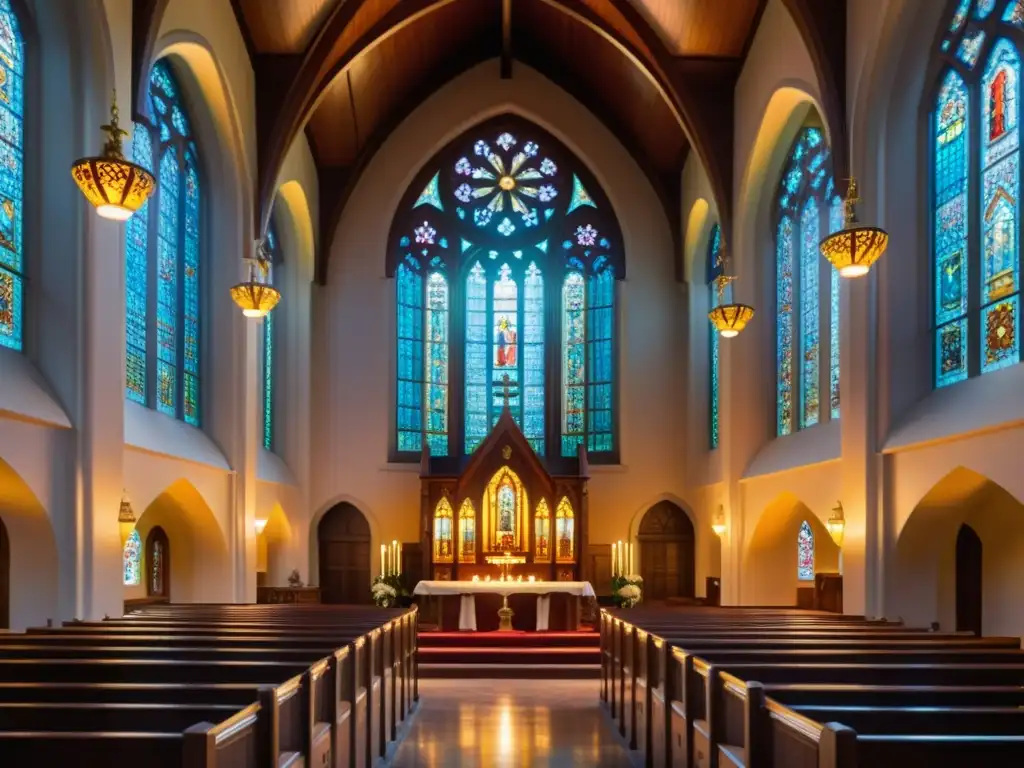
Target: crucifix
(505, 387)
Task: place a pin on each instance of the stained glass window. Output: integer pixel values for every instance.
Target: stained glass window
(467, 532)
(269, 324)
(505, 256)
(807, 287)
(713, 271)
(443, 551)
(132, 557)
(805, 553)
(565, 532)
(12, 104)
(981, 334)
(163, 264)
(542, 533)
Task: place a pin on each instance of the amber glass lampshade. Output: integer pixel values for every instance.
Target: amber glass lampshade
(115, 187)
(853, 249)
(256, 297)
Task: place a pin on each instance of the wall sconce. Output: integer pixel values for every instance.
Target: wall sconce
(836, 524)
(260, 526)
(719, 526)
(125, 518)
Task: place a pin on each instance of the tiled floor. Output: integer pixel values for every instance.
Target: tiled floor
(510, 723)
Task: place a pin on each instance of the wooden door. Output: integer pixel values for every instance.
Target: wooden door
(666, 552)
(5, 578)
(344, 539)
(968, 580)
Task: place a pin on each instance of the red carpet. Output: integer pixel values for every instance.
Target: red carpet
(524, 655)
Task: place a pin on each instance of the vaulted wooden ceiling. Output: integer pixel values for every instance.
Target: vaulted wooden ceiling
(659, 73)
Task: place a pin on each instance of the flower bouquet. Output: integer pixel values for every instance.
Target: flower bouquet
(386, 590)
(627, 590)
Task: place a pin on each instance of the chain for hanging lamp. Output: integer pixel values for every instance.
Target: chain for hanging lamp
(256, 297)
(854, 248)
(728, 319)
(114, 186)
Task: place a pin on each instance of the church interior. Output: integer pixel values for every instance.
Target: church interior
(689, 311)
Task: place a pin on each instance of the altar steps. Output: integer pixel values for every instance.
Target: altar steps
(504, 655)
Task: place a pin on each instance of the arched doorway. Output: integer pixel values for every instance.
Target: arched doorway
(968, 580)
(158, 564)
(666, 552)
(344, 542)
(5, 578)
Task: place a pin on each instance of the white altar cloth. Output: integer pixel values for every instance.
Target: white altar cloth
(467, 606)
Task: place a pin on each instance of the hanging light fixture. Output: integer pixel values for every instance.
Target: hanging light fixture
(125, 518)
(259, 526)
(853, 249)
(836, 524)
(729, 318)
(116, 187)
(719, 526)
(257, 296)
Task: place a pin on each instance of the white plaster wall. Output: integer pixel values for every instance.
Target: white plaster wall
(353, 317)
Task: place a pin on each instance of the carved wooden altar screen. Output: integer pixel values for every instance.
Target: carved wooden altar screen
(503, 500)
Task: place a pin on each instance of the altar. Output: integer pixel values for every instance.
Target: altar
(534, 605)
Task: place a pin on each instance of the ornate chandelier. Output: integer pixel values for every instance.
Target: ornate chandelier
(116, 187)
(729, 318)
(256, 297)
(853, 249)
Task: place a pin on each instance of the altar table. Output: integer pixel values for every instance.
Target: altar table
(468, 590)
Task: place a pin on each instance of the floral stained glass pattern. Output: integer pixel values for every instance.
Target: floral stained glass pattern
(171, 317)
(573, 362)
(810, 353)
(805, 553)
(436, 375)
(784, 324)
(132, 559)
(12, 85)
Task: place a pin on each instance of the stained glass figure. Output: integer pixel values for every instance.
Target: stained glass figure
(172, 315)
(132, 557)
(506, 509)
(807, 207)
(443, 551)
(467, 532)
(565, 532)
(805, 553)
(506, 199)
(542, 533)
(12, 172)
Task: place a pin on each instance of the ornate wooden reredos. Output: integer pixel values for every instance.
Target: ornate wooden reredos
(503, 499)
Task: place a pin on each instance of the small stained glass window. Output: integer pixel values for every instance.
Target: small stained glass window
(133, 559)
(805, 553)
(443, 544)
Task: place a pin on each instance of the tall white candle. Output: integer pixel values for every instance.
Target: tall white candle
(383, 560)
(614, 565)
(631, 558)
(399, 558)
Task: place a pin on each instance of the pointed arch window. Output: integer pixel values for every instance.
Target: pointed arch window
(162, 252)
(132, 557)
(974, 140)
(158, 566)
(12, 172)
(805, 553)
(443, 549)
(268, 334)
(542, 533)
(565, 532)
(714, 269)
(505, 255)
(807, 287)
(467, 532)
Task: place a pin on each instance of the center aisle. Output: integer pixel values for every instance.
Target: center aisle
(498, 723)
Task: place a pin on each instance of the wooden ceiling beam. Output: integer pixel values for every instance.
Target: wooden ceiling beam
(506, 39)
(146, 17)
(822, 25)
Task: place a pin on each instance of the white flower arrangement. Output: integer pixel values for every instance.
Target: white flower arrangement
(635, 578)
(630, 594)
(383, 594)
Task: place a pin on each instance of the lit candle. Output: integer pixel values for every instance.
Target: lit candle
(399, 558)
(615, 564)
(383, 560)
(532, 578)
(631, 558)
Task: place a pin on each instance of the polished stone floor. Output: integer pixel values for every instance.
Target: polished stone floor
(510, 724)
